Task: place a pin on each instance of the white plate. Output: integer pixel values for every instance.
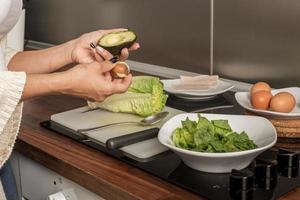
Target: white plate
(259, 129)
(221, 87)
(243, 98)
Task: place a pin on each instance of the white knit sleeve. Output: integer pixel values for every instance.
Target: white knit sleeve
(11, 89)
(9, 53)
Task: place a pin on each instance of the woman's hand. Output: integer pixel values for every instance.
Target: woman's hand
(94, 82)
(90, 81)
(75, 51)
(83, 53)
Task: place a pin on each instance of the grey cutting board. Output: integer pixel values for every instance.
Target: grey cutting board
(77, 119)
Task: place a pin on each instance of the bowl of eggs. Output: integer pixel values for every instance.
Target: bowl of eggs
(275, 103)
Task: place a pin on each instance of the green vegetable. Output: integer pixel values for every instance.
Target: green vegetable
(210, 136)
(114, 42)
(144, 97)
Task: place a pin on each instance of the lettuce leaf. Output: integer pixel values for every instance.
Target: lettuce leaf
(210, 136)
(144, 97)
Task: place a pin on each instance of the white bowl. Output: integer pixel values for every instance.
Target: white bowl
(259, 129)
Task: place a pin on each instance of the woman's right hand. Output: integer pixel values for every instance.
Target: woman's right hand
(81, 52)
(93, 81)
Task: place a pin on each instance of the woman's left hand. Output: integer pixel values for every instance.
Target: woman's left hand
(83, 53)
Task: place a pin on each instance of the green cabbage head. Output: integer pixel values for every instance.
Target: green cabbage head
(144, 97)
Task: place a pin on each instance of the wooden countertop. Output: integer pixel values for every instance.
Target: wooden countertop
(92, 169)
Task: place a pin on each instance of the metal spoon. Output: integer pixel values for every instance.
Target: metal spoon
(150, 120)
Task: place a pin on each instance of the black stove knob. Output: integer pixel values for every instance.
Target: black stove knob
(241, 184)
(266, 174)
(288, 163)
(290, 172)
(287, 158)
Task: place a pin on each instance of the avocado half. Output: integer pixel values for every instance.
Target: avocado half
(114, 42)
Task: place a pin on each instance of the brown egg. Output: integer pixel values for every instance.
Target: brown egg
(283, 102)
(261, 100)
(260, 86)
(120, 70)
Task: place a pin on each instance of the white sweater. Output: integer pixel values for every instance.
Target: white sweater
(11, 85)
(11, 88)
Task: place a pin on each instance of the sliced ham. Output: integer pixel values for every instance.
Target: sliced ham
(193, 78)
(199, 78)
(192, 87)
(202, 82)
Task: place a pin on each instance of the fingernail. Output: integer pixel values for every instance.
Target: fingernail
(92, 45)
(100, 49)
(114, 59)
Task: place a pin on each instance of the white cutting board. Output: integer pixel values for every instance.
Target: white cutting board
(78, 119)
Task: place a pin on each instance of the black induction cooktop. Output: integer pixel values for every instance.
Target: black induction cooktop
(269, 176)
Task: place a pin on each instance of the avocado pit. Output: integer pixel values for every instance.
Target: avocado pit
(120, 70)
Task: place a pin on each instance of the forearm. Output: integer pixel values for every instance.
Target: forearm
(42, 61)
(44, 84)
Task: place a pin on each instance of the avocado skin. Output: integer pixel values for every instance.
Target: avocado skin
(116, 50)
